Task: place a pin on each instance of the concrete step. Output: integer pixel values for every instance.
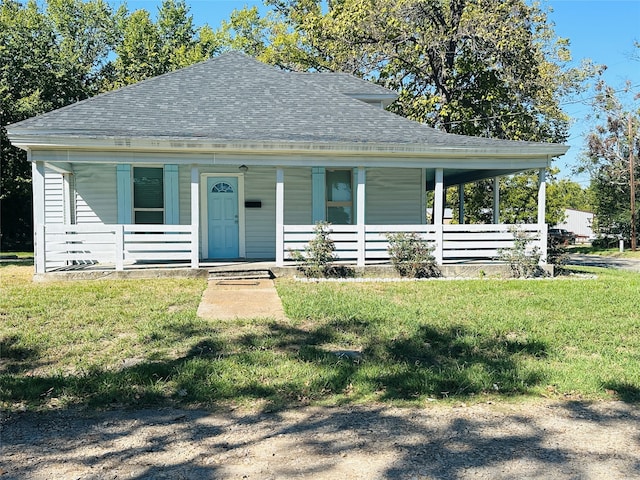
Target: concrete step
(234, 274)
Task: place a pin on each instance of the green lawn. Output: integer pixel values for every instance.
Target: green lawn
(139, 342)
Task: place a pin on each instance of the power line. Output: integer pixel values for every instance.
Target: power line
(582, 100)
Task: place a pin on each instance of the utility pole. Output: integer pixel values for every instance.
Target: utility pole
(633, 187)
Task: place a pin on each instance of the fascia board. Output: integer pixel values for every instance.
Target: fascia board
(115, 157)
(516, 150)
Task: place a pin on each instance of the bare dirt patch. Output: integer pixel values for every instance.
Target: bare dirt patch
(487, 441)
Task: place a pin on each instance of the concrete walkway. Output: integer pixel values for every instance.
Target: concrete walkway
(251, 298)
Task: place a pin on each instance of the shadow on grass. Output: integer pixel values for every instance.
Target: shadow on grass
(283, 365)
(288, 365)
(15, 358)
(456, 362)
(624, 391)
(16, 262)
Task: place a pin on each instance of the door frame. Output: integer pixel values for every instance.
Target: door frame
(204, 213)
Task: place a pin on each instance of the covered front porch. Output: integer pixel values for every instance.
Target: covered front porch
(128, 246)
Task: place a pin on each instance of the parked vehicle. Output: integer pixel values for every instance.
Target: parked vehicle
(560, 236)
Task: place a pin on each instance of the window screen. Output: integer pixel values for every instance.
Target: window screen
(148, 195)
(339, 197)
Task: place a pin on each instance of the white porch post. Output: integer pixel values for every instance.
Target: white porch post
(119, 247)
(37, 175)
(195, 216)
(542, 207)
(438, 214)
(496, 200)
(461, 203)
(279, 217)
(67, 190)
(360, 216)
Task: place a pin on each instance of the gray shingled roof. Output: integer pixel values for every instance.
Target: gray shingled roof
(346, 84)
(234, 98)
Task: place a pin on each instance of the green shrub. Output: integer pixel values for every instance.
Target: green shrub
(522, 260)
(412, 256)
(319, 255)
(604, 242)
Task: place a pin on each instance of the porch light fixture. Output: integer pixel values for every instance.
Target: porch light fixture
(243, 168)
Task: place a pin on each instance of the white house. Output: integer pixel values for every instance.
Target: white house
(235, 159)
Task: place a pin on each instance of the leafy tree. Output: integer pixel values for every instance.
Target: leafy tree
(270, 39)
(612, 151)
(569, 194)
(146, 48)
(476, 67)
(48, 59)
(64, 52)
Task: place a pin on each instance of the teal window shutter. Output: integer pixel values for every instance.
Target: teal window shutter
(171, 195)
(123, 190)
(318, 188)
(354, 189)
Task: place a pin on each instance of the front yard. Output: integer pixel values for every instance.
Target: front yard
(139, 342)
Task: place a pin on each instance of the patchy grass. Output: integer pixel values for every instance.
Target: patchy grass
(139, 342)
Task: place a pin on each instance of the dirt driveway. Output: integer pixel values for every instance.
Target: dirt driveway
(564, 440)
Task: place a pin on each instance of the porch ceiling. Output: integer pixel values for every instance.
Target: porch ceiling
(458, 176)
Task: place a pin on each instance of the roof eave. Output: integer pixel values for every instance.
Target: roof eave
(514, 151)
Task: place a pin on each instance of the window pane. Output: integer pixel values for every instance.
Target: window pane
(222, 187)
(148, 191)
(339, 186)
(339, 215)
(145, 217)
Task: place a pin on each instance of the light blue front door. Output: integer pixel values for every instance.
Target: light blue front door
(222, 217)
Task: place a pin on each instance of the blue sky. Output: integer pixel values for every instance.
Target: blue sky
(602, 30)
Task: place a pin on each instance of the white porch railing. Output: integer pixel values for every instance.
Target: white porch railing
(453, 243)
(87, 244)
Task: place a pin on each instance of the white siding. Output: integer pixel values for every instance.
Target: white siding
(394, 196)
(260, 223)
(297, 196)
(96, 196)
(54, 197)
(578, 222)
